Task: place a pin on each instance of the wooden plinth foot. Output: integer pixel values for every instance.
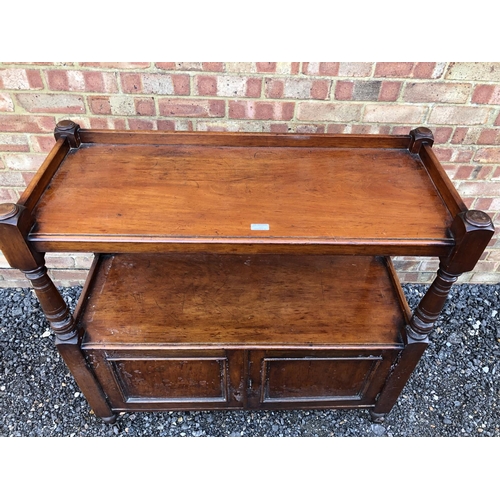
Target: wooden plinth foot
(110, 420)
(377, 418)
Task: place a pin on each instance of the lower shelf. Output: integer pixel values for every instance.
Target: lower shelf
(204, 331)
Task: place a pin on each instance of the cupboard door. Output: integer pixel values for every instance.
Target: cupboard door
(317, 379)
(135, 380)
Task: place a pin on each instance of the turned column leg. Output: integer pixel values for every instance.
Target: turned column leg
(472, 231)
(68, 339)
(13, 223)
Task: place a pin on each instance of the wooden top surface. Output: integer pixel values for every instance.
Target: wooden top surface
(214, 300)
(136, 193)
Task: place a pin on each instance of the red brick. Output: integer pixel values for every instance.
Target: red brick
(490, 136)
(165, 124)
(442, 134)
(167, 66)
(182, 125)
(30, 124)
(423, 70)
(464, 172)
(94, 82)
(6, 103)
(266, 67)
(401, 130)
(320, 89)
(457, 93)
(328, 69)
(459, 137)
(145, 106)
(321, 68)
(261, 110)
(463, 156)
(443, 154)
(14, 142)
(131, 83)
(274, 88)
(487, 155)
(138, 124)
(57, 79)
(389, 91)
(486, 94)
(213, 66)
(294, 68)
(108, 123)
(485, 172)
(396, 69)
(51, 103)
(181, 84)
(198, 108)
(42, 143)
(254, 87)
(335, 128)
(279, 128)
(482, 203)
(100, 105)
(20, 79)
(206, 85)
(497, 121)
(117, 65)
(343, 90)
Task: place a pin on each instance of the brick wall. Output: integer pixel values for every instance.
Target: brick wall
(459, 102)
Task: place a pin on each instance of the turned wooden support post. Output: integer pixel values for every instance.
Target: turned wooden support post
(15, 223)
(472, 231)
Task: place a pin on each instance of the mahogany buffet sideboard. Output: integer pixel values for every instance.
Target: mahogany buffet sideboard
(239, 270)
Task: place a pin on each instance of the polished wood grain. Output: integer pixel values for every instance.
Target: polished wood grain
(141, 194)
(245, 139)
(44, 175)
(238, 300)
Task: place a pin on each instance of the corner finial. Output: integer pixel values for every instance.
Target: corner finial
(8, 210)
(418, 137)
(69, 129)
(478, 218)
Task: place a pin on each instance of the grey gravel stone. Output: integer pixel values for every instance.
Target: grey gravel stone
(38, 394)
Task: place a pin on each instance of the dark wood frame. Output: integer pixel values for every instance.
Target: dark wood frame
(24, 248)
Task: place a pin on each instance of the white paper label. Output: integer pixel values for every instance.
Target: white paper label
(259, 227)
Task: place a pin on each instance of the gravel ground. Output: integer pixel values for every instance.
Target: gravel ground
(455, 390)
